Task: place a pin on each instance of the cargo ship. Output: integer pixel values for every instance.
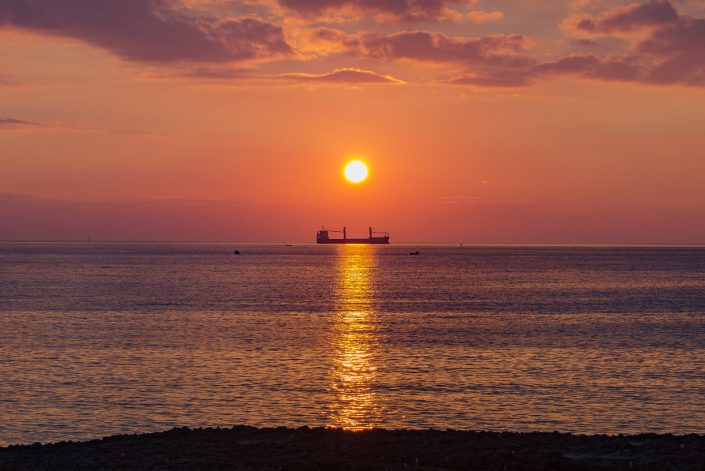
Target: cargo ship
(323, 237)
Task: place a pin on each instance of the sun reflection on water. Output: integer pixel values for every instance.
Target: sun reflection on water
(354, 341)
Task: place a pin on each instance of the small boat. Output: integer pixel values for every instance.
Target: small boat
(415, 253)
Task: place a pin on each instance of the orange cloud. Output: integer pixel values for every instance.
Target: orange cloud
(346, 75)
(479, 16)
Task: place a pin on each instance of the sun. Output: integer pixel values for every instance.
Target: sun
(356, 171)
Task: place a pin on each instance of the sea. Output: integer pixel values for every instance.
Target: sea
(99, 339)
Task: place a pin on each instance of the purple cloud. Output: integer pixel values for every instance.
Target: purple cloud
(496, 60)
(680, 48)
(148, 30)
(7, 123)
(673, 51)
(685, 37)
(669, 47)
(423, 46)
(584, 42)
(398, 9)
(625, 19)
(590, 66)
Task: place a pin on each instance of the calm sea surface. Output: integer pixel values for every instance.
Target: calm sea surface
(97, 339)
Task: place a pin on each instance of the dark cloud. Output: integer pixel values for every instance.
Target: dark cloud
(681, 51)
(348, 76)
(621, 69)
(6, 123)
(672, 52)
(496, 50)
(496, 60)
(436, 47)
(588, 43)
(398, 9)
(626, 19)
(685, 37)
(148, 30)
(589, 66)
(504, 78)
(669, 49)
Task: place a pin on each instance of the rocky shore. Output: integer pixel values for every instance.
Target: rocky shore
(249, 448)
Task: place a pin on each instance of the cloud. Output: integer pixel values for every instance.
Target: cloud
(664, 47)
(680, 52)
(489, 61)
(6, 80)
(346, 75)
(424, 46)
(407, 10)
(14, 123)
(672, 53)
(149, 30)
(670, 50)
(502, 78)
(584, 42)
(494, 60)
(589, 66)
(624, 19)
(206, 73)
(479, 16)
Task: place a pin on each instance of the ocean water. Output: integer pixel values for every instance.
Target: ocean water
(98, 339)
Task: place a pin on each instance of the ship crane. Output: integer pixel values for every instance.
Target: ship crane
(337, 231)
(373, 232)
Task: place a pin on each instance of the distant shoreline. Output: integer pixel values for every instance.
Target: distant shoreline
(245, 447)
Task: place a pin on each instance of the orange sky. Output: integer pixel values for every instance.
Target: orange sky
(506, 121)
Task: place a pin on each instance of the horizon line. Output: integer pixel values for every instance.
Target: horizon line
(400, 243)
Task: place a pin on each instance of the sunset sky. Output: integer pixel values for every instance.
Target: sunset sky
(508, 121)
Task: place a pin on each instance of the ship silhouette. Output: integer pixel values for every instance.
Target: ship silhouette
(323, 237)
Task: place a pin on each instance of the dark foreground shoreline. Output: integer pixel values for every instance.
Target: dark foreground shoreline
(249, 448)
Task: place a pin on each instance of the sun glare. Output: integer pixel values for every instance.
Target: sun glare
(356, 171)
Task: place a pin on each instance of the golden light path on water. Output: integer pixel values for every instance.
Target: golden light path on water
(354, 341)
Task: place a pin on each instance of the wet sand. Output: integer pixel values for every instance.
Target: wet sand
(248, 448)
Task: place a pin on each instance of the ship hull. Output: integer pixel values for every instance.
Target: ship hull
(369, 241)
